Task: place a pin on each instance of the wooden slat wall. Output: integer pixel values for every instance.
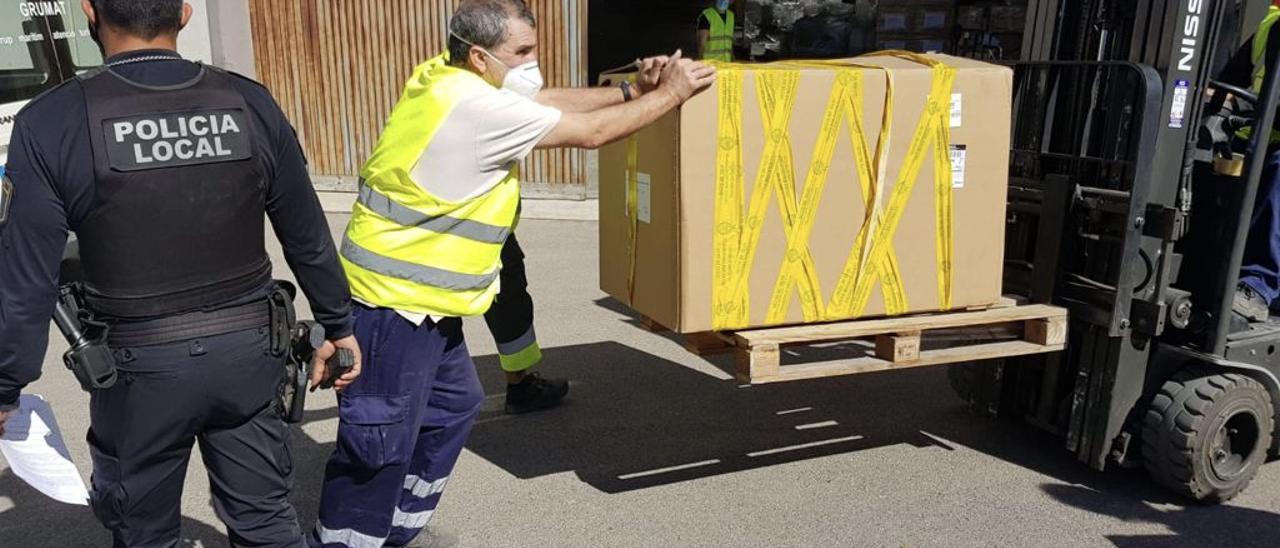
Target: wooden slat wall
(337, 68)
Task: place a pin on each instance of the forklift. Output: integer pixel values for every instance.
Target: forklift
(1130, 200)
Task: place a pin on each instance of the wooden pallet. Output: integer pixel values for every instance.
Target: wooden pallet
(892, 343)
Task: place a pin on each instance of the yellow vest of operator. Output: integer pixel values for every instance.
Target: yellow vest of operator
(407, 249)
(720, 42)
(1260, 47)
(1259, 55)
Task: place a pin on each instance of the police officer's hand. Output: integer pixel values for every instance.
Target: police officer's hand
(4, 417)
(685, 78)
(650, 74)
(319, 369)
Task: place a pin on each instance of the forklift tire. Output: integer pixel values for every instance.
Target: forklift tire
(1206, 434)
(963, 377)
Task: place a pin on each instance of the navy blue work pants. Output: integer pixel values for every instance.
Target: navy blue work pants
(401, 428)
(220, 391)
(1260, 268)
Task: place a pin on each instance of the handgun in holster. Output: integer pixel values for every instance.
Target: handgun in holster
(298, 342)
(89, 358)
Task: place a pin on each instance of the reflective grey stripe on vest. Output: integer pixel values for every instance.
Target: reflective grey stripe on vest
(420, 274)
(462, 228)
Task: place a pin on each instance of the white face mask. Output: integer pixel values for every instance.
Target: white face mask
(524, 80)
(722, 5)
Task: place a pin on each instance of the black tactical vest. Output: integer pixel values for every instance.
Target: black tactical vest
(177, 223)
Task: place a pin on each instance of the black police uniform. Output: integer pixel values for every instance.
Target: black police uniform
(163, 169)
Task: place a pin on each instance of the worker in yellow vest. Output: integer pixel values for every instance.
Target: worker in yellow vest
(438, 199)
(1259, 287)
(715, 32)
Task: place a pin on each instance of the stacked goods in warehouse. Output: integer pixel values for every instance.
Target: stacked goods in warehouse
(795, 193)
(990, 29)
(915, 25)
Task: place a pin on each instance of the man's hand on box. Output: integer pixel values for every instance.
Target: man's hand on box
(685, 78)
(650, 75)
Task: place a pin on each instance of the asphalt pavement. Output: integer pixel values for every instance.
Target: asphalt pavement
(657, 447)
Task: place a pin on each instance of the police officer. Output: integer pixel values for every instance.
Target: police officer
(163, 169)
(438, 199)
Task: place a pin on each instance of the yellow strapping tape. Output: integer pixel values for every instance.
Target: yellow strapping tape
(872, 184)
(633, 214)
(927, 132)
(730, 307)
(734, 244)
(798, 267)
(776, 172)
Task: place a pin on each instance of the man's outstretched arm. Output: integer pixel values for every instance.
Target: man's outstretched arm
(593, 99)
(681, 79)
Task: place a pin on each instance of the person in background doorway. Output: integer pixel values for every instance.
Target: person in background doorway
(715, 32)
(821, 33)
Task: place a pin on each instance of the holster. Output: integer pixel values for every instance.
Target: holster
(283, 316)
(89, 358)
(285, 343)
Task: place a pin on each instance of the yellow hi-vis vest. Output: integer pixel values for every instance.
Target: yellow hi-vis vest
(720, 43)
(1260, 47)
(406, 249)
(1259, 56)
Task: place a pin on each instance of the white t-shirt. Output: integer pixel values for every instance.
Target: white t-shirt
(481, 140)
(484, 138)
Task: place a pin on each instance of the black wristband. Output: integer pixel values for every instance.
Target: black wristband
(625, 86)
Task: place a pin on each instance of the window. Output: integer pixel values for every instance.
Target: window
(42, 44)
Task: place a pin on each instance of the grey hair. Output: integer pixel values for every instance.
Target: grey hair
(483, 23)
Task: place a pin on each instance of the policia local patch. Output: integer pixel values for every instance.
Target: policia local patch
(162, 140)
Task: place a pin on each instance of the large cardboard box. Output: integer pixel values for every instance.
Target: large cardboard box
(696, 210)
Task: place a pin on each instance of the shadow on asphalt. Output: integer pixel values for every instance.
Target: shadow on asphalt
(635, 421)
(1192, 525)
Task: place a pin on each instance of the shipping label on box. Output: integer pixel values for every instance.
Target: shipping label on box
(958, 156)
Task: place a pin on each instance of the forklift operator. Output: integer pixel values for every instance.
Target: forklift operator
(1259, 287)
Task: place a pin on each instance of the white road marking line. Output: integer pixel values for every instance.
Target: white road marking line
(669, 469)
(802, 446)
(813, 425)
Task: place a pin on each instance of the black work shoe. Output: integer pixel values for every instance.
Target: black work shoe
(434, 537)
(535, 393)
(1239, 323)
(1250, 304)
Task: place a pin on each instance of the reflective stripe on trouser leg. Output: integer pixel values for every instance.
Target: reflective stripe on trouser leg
(451, 410)
(520, 354)
(415, 377)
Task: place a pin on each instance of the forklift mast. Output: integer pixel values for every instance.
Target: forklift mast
(1108, 102)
